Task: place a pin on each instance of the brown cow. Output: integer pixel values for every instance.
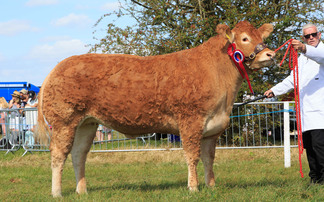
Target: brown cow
(188, 93)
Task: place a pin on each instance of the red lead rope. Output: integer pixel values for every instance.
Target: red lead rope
(293, 65)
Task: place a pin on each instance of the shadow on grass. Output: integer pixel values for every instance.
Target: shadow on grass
(144, 186)
(182, 185)
(257, 183)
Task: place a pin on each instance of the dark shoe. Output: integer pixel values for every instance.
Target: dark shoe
(313, 181)
(320, 181)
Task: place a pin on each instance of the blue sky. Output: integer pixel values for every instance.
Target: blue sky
(37, 34)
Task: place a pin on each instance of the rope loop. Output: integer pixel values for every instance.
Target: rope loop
(293, 65)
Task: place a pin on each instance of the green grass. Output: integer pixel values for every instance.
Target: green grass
(241, 175)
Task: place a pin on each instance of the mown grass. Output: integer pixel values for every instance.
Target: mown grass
(241, 175)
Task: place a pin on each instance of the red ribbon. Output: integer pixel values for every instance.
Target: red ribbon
(238, 58)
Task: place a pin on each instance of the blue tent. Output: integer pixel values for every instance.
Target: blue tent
(7, 88)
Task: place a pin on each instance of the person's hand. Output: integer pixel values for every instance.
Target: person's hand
(298, 46)
(268, 93)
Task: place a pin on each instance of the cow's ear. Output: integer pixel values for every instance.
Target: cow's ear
(265, 30)
(225, 31)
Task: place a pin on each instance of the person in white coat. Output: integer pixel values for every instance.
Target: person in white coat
(311, 91)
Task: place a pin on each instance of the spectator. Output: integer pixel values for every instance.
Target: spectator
(14, 103)
(14, 116)
(23, 100)
(3, 105)
(31, 116)
(311, 90)
(109, 133)
(23, 97)
(99, 133)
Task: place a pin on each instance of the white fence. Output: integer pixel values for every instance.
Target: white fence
(255, 125)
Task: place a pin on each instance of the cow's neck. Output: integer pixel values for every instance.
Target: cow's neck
(217, 48)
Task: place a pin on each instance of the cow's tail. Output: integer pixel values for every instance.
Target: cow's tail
(42, 132)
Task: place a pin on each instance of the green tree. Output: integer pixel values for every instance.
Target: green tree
(165, 26)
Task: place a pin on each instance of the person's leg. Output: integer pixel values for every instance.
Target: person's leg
(311, 156)
(318, 148)
(109, 136)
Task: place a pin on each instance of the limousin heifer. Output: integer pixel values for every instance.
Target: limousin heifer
(188, 93)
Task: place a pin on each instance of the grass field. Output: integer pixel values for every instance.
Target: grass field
(241, 175)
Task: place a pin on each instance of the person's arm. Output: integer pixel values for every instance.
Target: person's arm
(311, 52)
(11, 102)
(34, 105)
(28, 103)
(281, 88)
(315, 53)
(284, 86)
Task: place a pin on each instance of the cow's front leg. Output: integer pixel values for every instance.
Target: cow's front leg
(208, 146)
(191, 138)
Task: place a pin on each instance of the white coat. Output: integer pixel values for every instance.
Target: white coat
(311, 87)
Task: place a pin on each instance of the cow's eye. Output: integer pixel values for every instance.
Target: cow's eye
(245, 39)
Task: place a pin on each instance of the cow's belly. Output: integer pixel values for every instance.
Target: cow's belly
(216, 125)
(133, 127)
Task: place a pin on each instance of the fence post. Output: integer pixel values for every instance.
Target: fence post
(286, 135)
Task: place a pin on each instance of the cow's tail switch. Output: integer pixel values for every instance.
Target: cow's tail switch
(43, 129)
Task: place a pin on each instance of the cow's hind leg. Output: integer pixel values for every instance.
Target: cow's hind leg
(208, 146)
(84, 136)
(61, 144)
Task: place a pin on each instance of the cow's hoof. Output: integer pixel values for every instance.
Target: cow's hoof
(82, 192)
(81, 189)
(56, 195)
(193, 189)
(211, 184)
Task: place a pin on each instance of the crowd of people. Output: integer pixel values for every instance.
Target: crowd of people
(20, 119)
(18, 122)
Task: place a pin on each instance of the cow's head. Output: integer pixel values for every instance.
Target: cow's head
(247, 39)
